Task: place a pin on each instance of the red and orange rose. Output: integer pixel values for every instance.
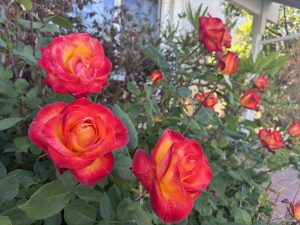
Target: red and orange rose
(175, 175)
(208, 99)
(228, 64)
(261, 83)
(157, 76)
(294, 209)
(271, 140)
(75, 64)
(213, 34)
(294, 129)
(250, 100)
(79, 137)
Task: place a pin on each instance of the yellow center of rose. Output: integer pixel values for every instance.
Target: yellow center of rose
(85, 134)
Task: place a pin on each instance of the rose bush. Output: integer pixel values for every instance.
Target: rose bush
(197, 166)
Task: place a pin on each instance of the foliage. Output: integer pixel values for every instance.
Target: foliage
(32, 192)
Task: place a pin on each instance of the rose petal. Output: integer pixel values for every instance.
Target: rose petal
(167, 139)
(143, 167)
(43, 116)
(170, 202)
(95, 172)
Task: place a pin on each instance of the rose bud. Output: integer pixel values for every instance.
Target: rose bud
(75, 64)
(207, 99)
(294, 129)
(270, 139)
(296, 212)
(261, 82)
(79, 137)
(175, 174)
(294, 209)
(157, 76)
(250, 100)
(228, 64)
(213, 34)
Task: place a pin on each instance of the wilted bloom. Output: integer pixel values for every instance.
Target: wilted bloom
(79, 137)
(157, 76)
(294, 209)
(175, 174)
(228, 64)
(250, 100)
(75, 64)
(208, 99)
(270, 139)
(261, 82)
(214, 34)
(294, 129)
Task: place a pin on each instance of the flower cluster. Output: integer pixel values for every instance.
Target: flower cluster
(81, 136)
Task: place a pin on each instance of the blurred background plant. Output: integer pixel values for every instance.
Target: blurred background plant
(31, 192)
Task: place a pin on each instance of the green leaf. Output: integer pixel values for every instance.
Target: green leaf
(2, 43)
(126, 208)
(106, 211)
(242, 216)
(3, 171)
(141, 217)
(26, 24)
(206, 116)
(9, 122)
(17, 216)
(153, 54)
(4, 220)
(21, 85)
(133, 88)
(122, 167)
(53, 220)
(27, 55)
(133, 140)
(9, 188)
(88, 194)
(60, 21)
(47, 201)
(22, 143)
(80, 213)
(25, 4)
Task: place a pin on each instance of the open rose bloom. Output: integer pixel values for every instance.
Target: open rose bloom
(271, 140)
(175, 174)
(75, 64)
(79, 137)
(214, 34)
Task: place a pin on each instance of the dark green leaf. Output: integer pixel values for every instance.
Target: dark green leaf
(141, 217)
(4, 220)
(9, 188)
(21, 85)
(25, 4)
(47, 201)
(153, 54)
(122, 167)
(9, 122)
(242, 216)
(133, 140)
(60, 21)
(79, 213)
(106, 211)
